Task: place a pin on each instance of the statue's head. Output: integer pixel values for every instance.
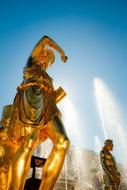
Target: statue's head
(46, 58)
(108, 144)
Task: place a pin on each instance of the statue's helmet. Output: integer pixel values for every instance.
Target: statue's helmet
(108, 142)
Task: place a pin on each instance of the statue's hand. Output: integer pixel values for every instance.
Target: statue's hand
(63, 57)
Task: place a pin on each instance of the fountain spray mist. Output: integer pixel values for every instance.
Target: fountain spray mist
(73, 124)
(98, 147)
(111, 117)
(98, 144)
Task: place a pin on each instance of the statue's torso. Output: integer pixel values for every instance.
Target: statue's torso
(35, 104)
(109, 168)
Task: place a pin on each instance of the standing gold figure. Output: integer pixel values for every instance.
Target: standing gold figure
(111, 178)
(32, 119)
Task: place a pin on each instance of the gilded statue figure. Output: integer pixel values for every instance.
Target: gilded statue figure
(31, 119)
(111, 175)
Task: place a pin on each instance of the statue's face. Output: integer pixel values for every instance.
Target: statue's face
(43, 61)
(46, 59)
(110, 146)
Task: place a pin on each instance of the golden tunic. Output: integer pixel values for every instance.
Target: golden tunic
(111, 175)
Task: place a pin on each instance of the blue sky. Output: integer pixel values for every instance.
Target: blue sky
(93, 34)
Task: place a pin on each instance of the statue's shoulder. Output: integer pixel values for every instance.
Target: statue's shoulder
(103, 153)
(33, 70)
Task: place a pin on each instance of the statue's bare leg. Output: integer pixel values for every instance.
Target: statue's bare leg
(55, 131)
(20, 165)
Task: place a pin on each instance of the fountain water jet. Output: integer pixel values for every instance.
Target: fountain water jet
(73, 125)
(111, 117)
(72, 121)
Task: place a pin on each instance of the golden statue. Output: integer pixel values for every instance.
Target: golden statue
(32, 119)
(111, 177)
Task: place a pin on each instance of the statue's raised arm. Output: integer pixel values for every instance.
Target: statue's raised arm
(47, 41)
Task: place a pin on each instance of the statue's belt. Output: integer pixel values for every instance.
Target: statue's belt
(24, 86)
(59, 93)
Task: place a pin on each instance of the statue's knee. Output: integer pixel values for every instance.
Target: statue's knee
(63, 144)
